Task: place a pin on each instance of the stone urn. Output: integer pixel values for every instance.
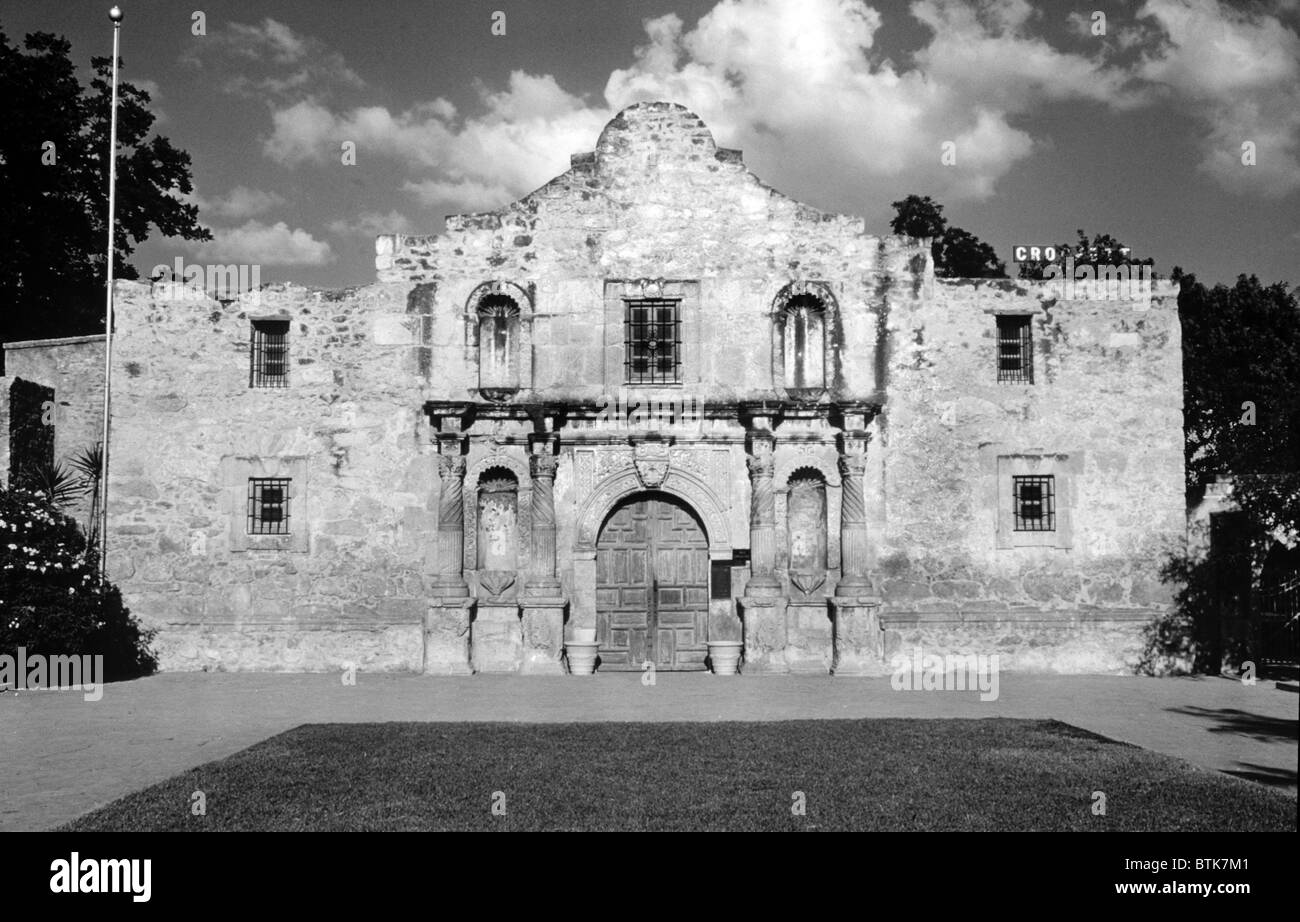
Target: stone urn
(581, 651)
(725, 656)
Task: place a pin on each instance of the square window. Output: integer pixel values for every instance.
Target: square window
(1034, 503)
(653, 342)
(269, 355)
(268, 505)
(1015, 349)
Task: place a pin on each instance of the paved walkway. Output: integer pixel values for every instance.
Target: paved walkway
(61, 756)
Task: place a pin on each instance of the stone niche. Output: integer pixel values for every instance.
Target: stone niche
(809, 635)
(497, 638)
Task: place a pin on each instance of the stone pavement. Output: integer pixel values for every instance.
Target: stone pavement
(61, 756)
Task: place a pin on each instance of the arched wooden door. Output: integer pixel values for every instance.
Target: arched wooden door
(652, 586)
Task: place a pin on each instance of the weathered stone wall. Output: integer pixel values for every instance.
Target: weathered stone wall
(189, 431)
(1106, 402)
(656, 200)
(74, 367)
(656, 209)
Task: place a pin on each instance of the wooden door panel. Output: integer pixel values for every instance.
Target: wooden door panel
(652, 582)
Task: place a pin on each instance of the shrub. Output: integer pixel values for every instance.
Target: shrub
(52, 601)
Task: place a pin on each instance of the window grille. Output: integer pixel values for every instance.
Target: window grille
(1034, 500)
(270, 354)
(268, 505)
(1015, 349)
(653, 342)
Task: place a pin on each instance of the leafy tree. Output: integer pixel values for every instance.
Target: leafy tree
(1241, 420)
(1241, 384)
(957, 253)
(1102, 250)
(54, 188)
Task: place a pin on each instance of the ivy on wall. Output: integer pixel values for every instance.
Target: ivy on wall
(31, 431)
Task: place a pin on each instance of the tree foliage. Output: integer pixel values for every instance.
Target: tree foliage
(1241, 384)
(52, 601)
(957, 252)
(54, 188)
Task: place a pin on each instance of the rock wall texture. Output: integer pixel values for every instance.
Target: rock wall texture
(395, 403)
(188, 433)
(74, 367)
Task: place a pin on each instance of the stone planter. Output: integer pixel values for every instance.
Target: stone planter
(582, 656)
(725, 656)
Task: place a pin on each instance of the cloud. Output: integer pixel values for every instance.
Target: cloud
(1237, 73)
(523, 138)
(781, 79)
(801, 86)
(241, 202)
(255, 243)
(371, 224)
(270, 59)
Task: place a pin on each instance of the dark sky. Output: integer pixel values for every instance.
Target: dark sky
(840, 103)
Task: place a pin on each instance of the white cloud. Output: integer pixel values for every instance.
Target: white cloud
(242, 202)
(371, 224)
(799, 85)
(255, 243)
(523, 139)
(781, 79)
(270, 59)
(1238, 73)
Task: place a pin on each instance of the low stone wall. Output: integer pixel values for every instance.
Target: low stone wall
(1071, 643)
(290, 647)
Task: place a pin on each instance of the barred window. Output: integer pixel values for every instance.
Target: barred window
(653, 341)
(268, 505)
(269, 365)
(1015, 349)
(1034, 503)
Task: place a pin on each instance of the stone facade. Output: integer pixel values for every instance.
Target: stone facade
(658, 401)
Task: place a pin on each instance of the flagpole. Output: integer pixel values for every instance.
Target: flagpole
(115, 14)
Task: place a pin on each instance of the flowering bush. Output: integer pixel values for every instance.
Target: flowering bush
(51, 598)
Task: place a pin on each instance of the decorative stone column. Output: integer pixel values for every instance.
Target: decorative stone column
(762, 517)
(853, 524)
(447, 624)
(449, 575)
(763, 605)
(543, 599)
(859, 642)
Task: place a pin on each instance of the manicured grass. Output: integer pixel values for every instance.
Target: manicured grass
(854, 774)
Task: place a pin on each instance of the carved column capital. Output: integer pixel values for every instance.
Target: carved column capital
(543, 466)
(451, 466)
(854, 465)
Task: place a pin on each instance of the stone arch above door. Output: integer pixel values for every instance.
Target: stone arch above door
(681, 484)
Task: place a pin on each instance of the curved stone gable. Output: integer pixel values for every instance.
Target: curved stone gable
(656, 174)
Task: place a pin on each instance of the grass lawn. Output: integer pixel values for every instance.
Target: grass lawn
(853, 774)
